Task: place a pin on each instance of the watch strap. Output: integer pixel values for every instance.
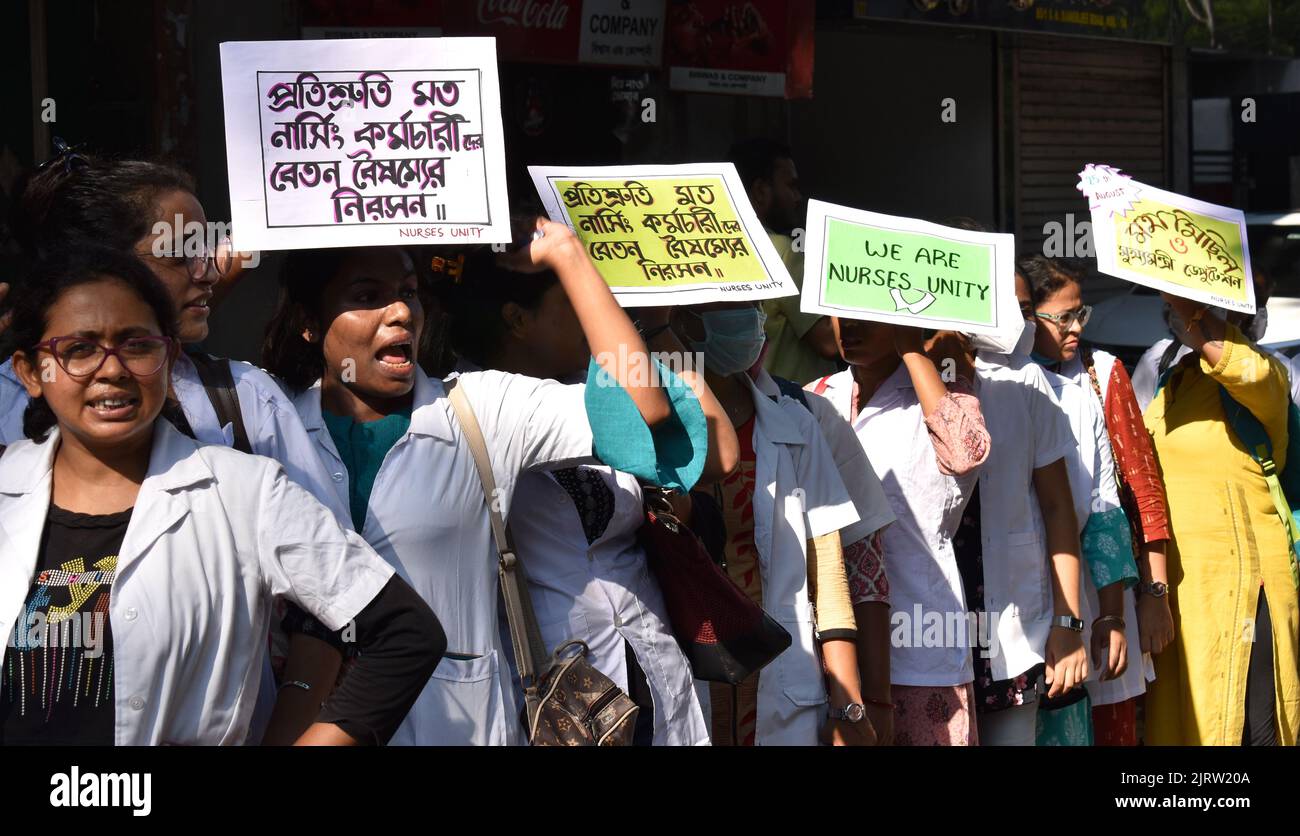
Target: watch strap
(1069, 622)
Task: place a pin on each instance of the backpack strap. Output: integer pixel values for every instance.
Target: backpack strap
(1166, 360)
(1166, 372)
(1254, 437)
(219, 383)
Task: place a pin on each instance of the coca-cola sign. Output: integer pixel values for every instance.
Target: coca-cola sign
(535, 31)
(530, 14)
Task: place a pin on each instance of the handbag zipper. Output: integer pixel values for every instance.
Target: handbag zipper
(599, 705)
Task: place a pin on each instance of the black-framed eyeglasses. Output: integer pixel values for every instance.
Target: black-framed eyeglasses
(1066, 319)
(82, 357)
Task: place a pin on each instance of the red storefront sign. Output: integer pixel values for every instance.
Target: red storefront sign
(753, 47)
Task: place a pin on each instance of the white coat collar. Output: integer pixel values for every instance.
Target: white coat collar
(777, 426)
(428, 412)
(172, 463)
(25, 472)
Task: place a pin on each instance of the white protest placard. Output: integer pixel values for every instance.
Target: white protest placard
(1168, 241)
(667, 234)
(364, 142)
(865, 265)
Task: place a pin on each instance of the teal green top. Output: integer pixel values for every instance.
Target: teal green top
(1107, 544)
(672, 454)
(363, 446)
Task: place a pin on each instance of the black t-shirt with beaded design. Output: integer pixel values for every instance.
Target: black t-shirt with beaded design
(56, 687)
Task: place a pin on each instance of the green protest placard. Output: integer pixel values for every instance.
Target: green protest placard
(864, 265)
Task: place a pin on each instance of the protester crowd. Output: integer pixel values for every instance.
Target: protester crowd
(955, 540)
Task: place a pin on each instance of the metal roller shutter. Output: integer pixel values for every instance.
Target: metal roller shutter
(1083, 101)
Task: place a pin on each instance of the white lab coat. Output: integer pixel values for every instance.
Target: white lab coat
(604, 594)
(1027, 430)
(213, 537)
(856, 472)
(891, 428)
(1095, 489)
(427, 517)
(273, 427)
(798, 495)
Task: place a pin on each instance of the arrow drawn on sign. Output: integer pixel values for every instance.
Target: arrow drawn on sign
(926, 300)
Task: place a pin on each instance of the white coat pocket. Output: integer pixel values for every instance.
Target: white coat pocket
(800, 671)
(460, 706)
(1031, 586)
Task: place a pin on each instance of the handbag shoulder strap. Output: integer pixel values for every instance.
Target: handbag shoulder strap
(1250, 431)
(219, 383)
(525, 634)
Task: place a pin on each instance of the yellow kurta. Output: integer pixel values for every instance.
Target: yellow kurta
(1227, 539)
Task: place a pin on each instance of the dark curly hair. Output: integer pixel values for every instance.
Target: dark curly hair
(51, 279)
(107, 202)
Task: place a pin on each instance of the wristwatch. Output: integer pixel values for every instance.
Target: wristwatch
(1069, 622)
(1155, 589)
(853, 712)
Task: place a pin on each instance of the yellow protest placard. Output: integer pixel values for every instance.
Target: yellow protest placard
(667, 234)
(1168, 241)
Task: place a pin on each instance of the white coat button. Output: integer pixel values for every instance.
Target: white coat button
(136, 703)
(130, 613)
(338, 477)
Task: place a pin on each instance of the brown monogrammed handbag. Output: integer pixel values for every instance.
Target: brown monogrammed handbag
(567, 702)
(577, 705)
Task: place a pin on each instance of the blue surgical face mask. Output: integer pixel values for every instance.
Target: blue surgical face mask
(733, 339)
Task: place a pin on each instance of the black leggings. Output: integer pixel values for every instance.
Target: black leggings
(638, 688)
(1261, 721)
